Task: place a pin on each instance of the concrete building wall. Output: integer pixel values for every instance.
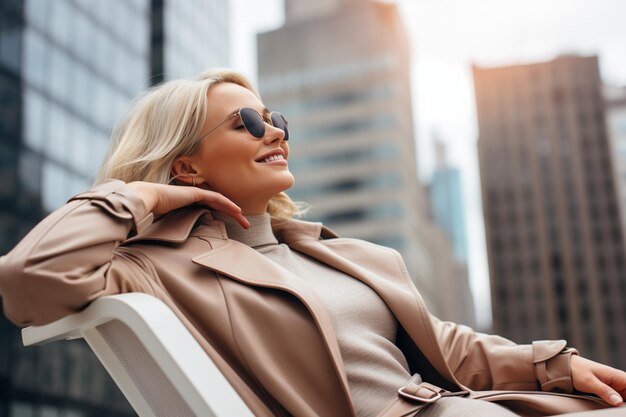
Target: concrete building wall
(341, 78)
(615, 99)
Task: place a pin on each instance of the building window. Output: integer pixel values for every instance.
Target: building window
(563, 315)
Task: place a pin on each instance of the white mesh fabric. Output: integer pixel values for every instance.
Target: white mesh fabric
(157, 390)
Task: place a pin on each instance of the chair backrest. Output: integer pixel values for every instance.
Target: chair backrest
(151, 356)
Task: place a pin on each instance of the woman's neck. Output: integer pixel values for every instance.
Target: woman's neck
(258, 234)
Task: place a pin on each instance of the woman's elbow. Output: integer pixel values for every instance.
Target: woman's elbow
(34, 296)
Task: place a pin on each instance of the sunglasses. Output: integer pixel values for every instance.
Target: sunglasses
(255, 123)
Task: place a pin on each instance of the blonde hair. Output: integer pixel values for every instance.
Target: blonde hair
(163, 124)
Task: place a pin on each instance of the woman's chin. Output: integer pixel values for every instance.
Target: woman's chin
(264, 185)
(283, 181)
(290, 181)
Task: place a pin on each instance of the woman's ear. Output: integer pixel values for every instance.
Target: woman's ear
(183, 171)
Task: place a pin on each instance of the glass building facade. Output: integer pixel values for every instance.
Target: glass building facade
(68, 71)
(447, 206)
(446, 201)
(196, 37)
(448, 242)
(82, 65)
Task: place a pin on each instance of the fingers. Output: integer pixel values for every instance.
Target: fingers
(242, 220)
(220, 202)
(172, 197)
(616, 380)
(606, 382)
(605, 392)
(615, 399)
(612, 397)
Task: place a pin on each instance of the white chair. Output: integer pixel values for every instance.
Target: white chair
(151, 356)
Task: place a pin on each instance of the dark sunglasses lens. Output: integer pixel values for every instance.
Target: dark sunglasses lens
(253, 122)
(279, 121)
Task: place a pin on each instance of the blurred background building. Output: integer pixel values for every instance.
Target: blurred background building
(615, 100)
(448, 241)
(446, 200)
(68, 69)
(554, 236)
(340, 70)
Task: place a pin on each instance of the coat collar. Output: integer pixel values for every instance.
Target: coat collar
(177, 225)
(174, 227)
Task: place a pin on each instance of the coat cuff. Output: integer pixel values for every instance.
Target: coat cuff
(119, 200)
(551, 359)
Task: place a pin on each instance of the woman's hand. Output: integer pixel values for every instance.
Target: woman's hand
(163, 198)
(592, 377)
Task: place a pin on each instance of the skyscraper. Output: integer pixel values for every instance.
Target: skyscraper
(615, 100)
(446, 200)
(68, 69)
(187, 37)
(339, 70)
(452, 301)
(448, 243)
(555, 244)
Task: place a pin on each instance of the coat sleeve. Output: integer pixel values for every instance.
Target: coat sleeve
(71, 257)
(483, 362)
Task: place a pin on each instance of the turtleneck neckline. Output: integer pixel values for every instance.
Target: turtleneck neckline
(259, 234)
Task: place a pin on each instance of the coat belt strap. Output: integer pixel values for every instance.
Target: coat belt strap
(423, 392)
(414, 396)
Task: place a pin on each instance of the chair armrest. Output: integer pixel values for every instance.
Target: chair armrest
(173, 351)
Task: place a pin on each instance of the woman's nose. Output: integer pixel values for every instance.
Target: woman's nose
(272, 133)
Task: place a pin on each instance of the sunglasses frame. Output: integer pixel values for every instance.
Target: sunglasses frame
(268, 121)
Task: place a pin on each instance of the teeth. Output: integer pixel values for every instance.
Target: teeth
(273, 158)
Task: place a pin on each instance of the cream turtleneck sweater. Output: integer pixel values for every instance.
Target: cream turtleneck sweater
(364, 325)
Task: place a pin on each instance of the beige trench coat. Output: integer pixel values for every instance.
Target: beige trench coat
(268, 333)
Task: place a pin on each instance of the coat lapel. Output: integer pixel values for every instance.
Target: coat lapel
(396, 290)
(244, 264)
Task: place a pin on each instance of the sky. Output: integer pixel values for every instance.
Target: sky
(447, 37)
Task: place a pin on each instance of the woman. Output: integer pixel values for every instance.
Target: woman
(189, 207)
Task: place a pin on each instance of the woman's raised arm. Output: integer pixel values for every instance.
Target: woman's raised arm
(73, 257)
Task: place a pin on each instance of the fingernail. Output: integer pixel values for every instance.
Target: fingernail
(615, 399)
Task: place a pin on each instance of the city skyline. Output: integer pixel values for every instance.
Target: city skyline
(61, 125)
(486, 32)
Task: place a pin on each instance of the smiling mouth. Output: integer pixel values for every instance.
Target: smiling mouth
(271, 158)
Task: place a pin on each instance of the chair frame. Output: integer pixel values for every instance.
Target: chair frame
(179, 356)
